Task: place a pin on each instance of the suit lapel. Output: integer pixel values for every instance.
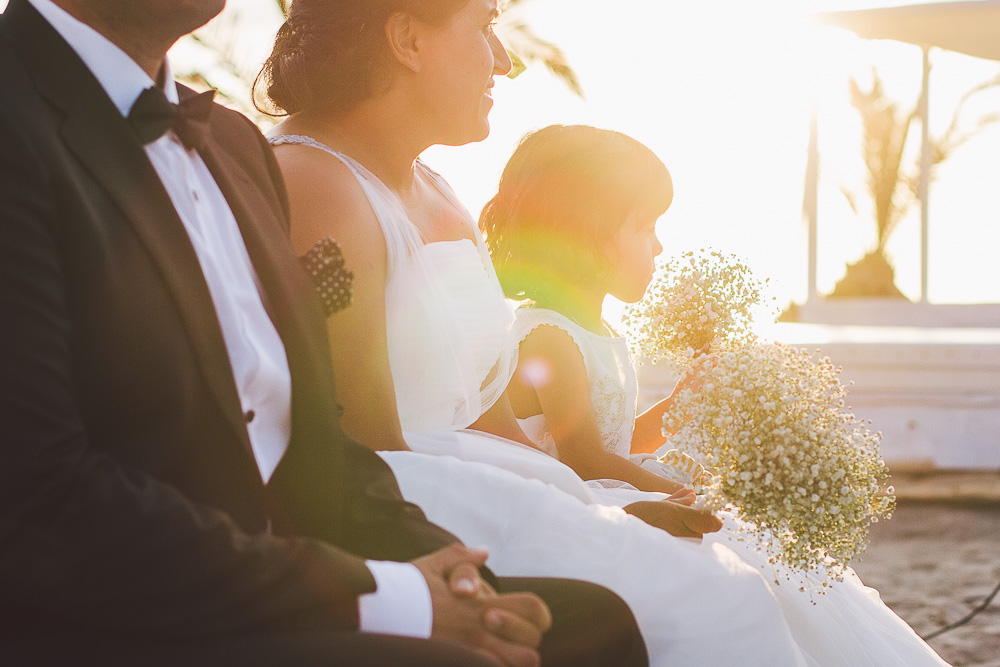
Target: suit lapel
(103, 142)
(286, 291)
(301, 483)
(266, 243)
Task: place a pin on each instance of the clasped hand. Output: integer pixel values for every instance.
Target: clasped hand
(506, 627)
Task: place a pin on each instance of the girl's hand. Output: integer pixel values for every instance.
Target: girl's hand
(692, 376)
(675, 518)
(649, 428)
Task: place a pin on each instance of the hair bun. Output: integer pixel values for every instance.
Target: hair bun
(332, 54)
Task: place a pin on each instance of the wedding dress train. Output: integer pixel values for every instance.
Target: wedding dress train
(451, 355)
(847, 625)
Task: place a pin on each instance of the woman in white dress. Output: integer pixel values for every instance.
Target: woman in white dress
(425, 348)
(575, 390)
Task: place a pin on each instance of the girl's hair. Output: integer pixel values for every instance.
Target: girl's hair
(562, 200)
(332, 54)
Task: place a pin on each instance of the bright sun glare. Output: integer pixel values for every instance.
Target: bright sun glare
(723, 93)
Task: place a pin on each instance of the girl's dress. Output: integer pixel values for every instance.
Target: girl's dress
(848, 625)
(451, 356)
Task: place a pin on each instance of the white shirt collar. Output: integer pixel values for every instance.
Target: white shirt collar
(119, 75)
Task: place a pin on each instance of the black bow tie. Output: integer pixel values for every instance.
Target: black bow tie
(152, 115)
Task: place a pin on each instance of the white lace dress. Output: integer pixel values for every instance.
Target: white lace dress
(451, 355)
(849, 625)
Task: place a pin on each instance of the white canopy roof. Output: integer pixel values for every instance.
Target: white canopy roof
(967, 27)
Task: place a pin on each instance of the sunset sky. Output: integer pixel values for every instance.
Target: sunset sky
(722, 91)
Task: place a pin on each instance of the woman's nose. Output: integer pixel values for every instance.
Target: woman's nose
(501, 59)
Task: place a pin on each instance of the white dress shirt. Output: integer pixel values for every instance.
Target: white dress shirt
(401, 604)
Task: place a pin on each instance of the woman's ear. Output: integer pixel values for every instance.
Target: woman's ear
(402, 33)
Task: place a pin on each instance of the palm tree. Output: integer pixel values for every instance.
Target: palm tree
(524, 47)
(892, 187)
(233, 81)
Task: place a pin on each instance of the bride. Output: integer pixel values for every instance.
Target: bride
(425, 349)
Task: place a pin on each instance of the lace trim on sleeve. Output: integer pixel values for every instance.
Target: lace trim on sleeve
(530, 318)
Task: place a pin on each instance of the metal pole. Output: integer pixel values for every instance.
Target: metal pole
(925, 171)
(809, 203)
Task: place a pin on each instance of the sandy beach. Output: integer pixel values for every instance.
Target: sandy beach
(933, 562)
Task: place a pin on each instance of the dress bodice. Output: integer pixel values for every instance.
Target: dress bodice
(447, 329)
(447, 321)
(613, 384)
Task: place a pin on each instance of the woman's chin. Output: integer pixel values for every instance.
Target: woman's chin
(470, 136)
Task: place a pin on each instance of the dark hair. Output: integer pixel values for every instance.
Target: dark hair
(562, 199)
(333, 53)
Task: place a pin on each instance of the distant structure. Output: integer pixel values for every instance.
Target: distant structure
(972, 28)
(926, 375)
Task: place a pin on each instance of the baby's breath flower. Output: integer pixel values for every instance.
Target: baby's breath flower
(704, 300)
(810, 487)
(768, 423)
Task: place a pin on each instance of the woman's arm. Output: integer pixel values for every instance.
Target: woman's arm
(326, 200)
(552, 376)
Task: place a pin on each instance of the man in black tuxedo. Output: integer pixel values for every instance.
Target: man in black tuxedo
(174, 484)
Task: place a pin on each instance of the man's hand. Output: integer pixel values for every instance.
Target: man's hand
(506, 627)
(675, 518)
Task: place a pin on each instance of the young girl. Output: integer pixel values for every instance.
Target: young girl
(574, 221)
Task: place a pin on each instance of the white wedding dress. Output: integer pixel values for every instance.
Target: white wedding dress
(848, 625)
(451, 356)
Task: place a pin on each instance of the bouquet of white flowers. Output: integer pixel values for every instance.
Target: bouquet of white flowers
(768, 422)
(702, 300)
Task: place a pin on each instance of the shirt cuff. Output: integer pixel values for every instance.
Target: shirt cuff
(401, 603)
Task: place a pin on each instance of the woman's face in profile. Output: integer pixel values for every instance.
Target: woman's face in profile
(463, 56)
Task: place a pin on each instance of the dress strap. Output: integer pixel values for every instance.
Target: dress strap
(356, 167)
(301, 140)
(402, 238)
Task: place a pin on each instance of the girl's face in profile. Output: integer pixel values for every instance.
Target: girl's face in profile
(633, 253)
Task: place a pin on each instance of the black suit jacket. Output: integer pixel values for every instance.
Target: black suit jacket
(130, 500)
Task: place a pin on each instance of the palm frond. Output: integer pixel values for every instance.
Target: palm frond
(852, 200)
(524, 47)
(222, 69)
(893, 188)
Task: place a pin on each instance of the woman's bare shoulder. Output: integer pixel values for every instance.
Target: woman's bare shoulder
(327, 200)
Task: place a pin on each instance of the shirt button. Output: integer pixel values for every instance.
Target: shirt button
(250, 414)
(194, 193)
